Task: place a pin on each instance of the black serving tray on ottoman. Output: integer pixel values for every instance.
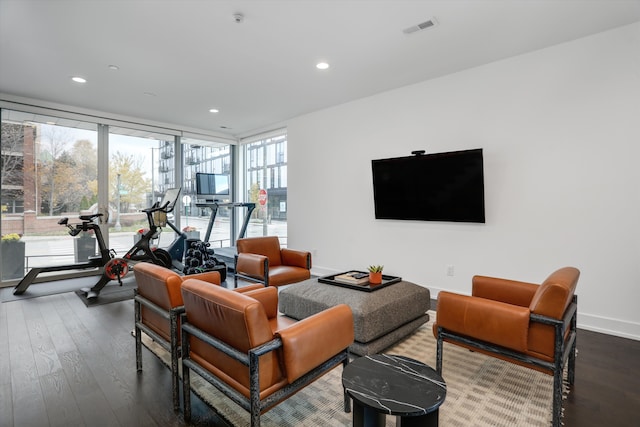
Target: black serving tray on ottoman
(365, 287)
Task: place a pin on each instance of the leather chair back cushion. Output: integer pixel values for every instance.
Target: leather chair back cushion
(162, 287)
(237, 320)
(268, 246)
(159, 285)
(296, 257)
(519, 293)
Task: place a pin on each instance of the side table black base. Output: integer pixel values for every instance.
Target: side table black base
(364, 416)
(427, 420)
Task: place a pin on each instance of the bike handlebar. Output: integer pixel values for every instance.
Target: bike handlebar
(157, 207)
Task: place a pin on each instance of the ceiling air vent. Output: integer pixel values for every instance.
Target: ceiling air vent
(419, 27)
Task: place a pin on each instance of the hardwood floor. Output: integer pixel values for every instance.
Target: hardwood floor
(63, 364)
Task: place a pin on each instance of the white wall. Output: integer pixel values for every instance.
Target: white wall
(560, 129)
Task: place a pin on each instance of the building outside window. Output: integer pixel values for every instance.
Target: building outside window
(266, 183)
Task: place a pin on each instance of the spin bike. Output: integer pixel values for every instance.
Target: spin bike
(142, 251)
(101, 260)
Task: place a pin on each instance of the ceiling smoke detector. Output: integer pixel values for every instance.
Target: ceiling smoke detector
(421, 26)
(238, 18)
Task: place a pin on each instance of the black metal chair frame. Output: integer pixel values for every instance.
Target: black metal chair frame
(172, 346)
(564, 349)
(253, 405)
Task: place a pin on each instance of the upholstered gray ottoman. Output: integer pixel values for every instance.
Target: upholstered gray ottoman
(380, 318)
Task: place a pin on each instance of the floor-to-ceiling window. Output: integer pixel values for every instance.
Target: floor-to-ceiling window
(140, 170)
(69, 165)
(49, 171)
(201, 215)
(265, 184)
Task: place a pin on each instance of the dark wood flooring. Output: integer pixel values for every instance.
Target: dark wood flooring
(64, 364)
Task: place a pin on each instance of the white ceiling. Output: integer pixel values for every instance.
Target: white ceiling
(178, 59)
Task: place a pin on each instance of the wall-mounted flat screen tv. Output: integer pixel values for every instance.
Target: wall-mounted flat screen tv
(430, 187)
(212, 184)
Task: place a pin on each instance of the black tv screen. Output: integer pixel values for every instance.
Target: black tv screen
(212, 184)
(430, 187)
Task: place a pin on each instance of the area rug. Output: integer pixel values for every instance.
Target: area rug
(481, 391)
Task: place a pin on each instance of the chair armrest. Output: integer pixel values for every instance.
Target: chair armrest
(314, 340)
(248, 288)
(503, 290)
(207, 276)
(268, 297)
(296, 258)
(495, 322)
(252, 264)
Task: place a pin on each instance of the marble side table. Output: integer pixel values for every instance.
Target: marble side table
(385, 384)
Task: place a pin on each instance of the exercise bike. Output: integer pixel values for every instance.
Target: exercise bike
(106, 255)
(142, 250)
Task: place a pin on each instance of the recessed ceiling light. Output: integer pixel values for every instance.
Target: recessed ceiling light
(78, 79)
(149, 94)
(114, 67)
(322, 65)
(214, 110)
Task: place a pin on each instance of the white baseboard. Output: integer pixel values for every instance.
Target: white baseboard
(609, 326)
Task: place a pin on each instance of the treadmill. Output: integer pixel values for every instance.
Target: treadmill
(226, 254)
(208, 187)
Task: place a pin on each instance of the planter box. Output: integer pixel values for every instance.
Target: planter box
(13, 260)
(84, 247)
(193, 235)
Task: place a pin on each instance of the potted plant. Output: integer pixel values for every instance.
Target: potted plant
(191, 232)
(375, 274)
(12, 256)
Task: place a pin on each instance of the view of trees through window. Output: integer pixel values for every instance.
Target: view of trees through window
(51, 169)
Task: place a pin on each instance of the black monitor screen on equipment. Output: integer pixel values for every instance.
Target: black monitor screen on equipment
(212, 184)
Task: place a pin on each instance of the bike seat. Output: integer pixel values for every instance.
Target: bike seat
(89, 217)
(63, 221)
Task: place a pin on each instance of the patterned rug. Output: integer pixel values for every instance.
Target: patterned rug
(481, 391)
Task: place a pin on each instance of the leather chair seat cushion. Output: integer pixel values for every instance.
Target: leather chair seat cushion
(268, 246)
(283, 274)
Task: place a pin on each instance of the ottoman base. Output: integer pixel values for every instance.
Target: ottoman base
(379, 344)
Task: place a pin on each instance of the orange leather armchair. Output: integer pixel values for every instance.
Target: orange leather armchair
(261, 259)
(240, 344)
(158, 304)
(528, 324)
